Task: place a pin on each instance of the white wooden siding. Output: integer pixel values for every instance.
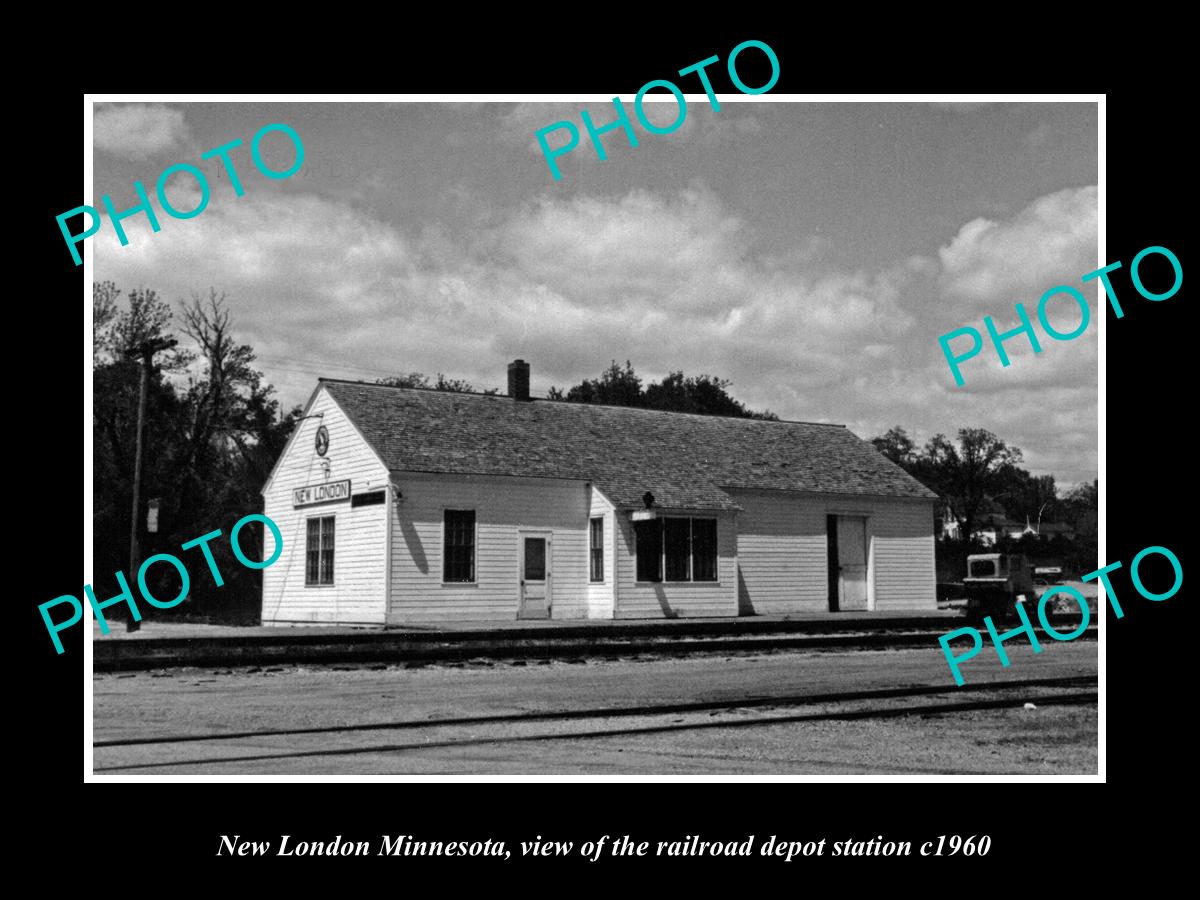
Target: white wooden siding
(771, 556)
(902, 556)
(600, 596)
(636, 600)
(503, 507)
(782, 551)
(358, 592)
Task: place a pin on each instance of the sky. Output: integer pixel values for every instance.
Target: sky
(811, 253)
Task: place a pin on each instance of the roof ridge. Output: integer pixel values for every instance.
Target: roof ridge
(406, 387)
(678, 457)
(646, 409)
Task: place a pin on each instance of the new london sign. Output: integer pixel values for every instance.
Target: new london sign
(321, 493)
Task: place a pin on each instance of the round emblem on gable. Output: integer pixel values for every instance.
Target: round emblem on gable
(322, 440)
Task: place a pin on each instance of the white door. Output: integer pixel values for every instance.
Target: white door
(535, 576)
(852, 562)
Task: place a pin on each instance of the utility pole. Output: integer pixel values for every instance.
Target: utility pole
(145, 351)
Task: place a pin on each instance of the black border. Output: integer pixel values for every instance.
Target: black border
(1146, 493)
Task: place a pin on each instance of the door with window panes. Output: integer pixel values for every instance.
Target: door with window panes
(536, 577)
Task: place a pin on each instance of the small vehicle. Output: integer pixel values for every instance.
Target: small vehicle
(994, 582)
(1044, 576)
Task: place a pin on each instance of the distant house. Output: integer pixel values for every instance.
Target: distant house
(409, 505)
(949, 530)
(991, 527)
(1049, 530)
(988, 529)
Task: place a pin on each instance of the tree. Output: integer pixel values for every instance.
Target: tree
(1081, 509)
(411, 380)
(229, 434)
(210, 443)
(701, 394)
(614, 387)
(897, 446)
(148, 318)
(1029, 497)
(421, 380)
(966, 475)
(115, 387)
(1085, 495)
(220, 396)
(104, 314)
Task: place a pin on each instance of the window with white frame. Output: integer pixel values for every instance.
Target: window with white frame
(318, 551)
(458, 545)
(596, 551)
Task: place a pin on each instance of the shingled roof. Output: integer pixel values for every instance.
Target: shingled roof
(686, 461)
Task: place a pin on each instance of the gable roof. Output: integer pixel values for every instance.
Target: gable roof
(686, 461)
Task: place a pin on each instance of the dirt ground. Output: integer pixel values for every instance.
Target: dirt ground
(207, 703)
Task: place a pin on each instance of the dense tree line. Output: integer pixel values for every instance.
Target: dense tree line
(616, 386)
(703, 394)
(440, 383)
(979, 475)
(212, 434)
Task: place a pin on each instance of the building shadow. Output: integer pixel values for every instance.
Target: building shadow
(416, 549)
(665, 605)
(745, 607)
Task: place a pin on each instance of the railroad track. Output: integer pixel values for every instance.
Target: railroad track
(132, 655)
(1008, 687)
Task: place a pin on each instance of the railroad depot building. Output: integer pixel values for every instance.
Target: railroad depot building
(403, 505)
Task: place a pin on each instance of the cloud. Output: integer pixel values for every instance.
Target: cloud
(518, 123)
(1051, 242)
(137, 130)
(631, 248)
(668, 280)
(671, 282)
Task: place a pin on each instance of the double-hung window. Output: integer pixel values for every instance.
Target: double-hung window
(596, 532)
(458, 545)
(676, 549)
(318, 551)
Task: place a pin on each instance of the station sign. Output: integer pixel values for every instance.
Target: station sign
(321, 493)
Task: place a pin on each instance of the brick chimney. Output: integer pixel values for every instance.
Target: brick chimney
(518, 379)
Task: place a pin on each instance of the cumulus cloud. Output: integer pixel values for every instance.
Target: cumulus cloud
(669, 281)
(137, 130)
(632, 248)
(1045, 403)
(1051, 242)
(672, 282)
